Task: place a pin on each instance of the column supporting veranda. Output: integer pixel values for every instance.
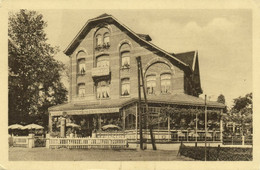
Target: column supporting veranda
(221, 126)
(50, 123)
(136, 123)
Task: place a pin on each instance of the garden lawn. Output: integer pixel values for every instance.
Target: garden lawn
(44, 154)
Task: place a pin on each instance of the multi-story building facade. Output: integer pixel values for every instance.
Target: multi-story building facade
(104, 82)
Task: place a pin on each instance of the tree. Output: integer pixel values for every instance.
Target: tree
(241, 113)
(241, 103)
(34, 75)
(221, 99)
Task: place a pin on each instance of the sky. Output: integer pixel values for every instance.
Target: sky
(222, 37)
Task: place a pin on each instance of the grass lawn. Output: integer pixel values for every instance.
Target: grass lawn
(44, 154)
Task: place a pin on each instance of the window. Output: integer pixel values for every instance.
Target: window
(81, 90)
(125, 55)
(99, 40)
(165, 83)
(106, 38)
(103, 61)
(125, 59)
(151, 84)
(103, 90)
(125, 87)
(81, 66)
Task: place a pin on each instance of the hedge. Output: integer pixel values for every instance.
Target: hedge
(215, 153)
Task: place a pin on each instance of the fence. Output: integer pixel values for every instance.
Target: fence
(162, 136)
(111, 135)
(217, 153)
(81, 143)
(237, 140)
(23, 141)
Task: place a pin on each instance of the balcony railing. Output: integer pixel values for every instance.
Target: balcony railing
(100, 71)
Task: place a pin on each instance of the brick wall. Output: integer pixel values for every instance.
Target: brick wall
(151, 62)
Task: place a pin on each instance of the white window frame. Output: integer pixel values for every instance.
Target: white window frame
(150, 84)
(81, 90)
(125, 87)
(165, 83)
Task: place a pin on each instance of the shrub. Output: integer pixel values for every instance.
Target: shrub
(38, 142)
(215, 153)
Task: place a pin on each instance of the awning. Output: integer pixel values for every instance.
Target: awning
(86, 111)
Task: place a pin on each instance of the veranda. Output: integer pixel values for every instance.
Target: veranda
(174, 123)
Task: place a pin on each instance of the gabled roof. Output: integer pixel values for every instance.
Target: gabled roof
(145, 37)
(91, 23)
(191, 58)
(101, 16)
(188, 58)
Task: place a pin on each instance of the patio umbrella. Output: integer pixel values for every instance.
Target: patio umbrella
(33, 126)
(208, 135)
(72, 125)
(180, 134)
(193, 134)
(15, 126)
(110, 126)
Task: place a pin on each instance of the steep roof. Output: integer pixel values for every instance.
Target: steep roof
(191, 58)
(145, 37)
(142, 38)
(188, 58)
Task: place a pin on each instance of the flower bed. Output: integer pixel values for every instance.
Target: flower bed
(215, 153)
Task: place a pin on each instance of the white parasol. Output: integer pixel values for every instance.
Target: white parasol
(33, 126)
(73, 125)
(110, 126)
(15, 126)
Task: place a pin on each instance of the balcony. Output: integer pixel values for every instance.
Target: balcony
(100, 71)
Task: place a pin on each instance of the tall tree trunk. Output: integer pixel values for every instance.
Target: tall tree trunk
(152, 138)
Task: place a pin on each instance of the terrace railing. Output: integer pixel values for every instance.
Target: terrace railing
(23, 141)
(81, 143)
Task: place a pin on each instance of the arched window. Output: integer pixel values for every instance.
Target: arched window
(165, 83)
(106, 39)
(125, 87)
(98, 40)
(81, 66)
(125, 55)
(103, 61)
(103, 89)
(150, 84)
(81, 90)
(125, 59)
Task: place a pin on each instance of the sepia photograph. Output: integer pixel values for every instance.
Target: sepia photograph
(130, 85)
